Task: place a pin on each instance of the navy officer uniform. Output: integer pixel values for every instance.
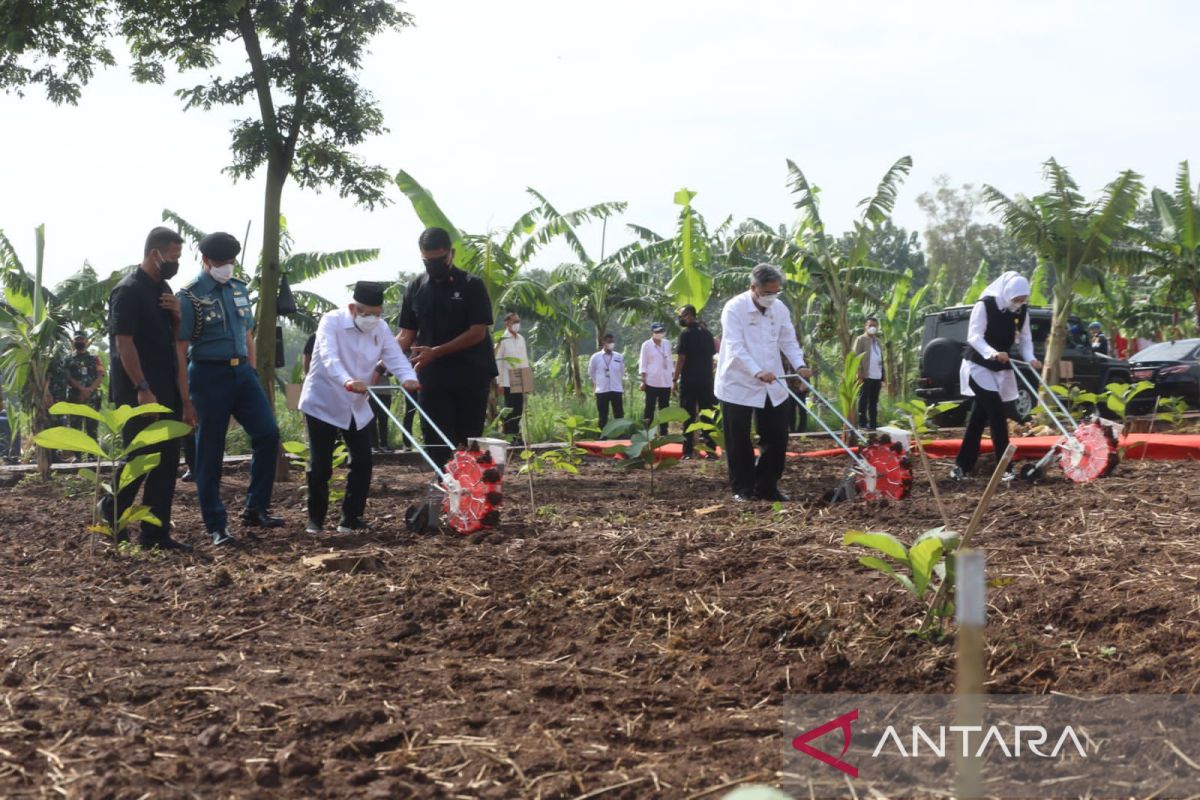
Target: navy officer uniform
(215, 334)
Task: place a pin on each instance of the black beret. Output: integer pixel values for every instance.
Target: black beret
(220, 247)
(369, 293)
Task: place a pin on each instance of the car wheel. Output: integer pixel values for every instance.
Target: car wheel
(1025, 402)
(940, 361)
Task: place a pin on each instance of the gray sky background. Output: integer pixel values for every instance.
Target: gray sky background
(631, 100)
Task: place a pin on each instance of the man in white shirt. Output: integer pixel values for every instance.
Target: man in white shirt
(511, 354)
(756, 329)
(656, 367)
(351, 344)
(607, 373)
(870, 374)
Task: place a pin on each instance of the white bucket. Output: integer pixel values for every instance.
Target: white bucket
(898, 435)
(497, 448)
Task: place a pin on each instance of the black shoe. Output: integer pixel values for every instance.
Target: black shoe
(741, 497)
(314, 527)
(710, 456)
(188, 477)
(957, 474)
(773, 495)
(165, 543)
(686, 457)
(256, 516)
(356, 525)
(222, 538)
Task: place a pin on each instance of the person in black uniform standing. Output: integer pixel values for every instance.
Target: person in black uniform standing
(694, 377)
(444, 324)
(143, 322)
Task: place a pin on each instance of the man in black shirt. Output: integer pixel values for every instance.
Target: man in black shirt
(694, 376)
(444, 324)
(143, 320)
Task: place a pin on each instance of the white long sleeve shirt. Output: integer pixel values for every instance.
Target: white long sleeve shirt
(510, 347)
(344, 353)
(607, 371)
(751, 342)
(657, 364)
(1002, 381)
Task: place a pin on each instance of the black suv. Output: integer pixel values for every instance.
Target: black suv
(945, 336)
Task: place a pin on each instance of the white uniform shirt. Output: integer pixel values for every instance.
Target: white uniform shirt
(657, 364)
(607, 371)
(510, 347)
(344, 353)
(875, 360)
(751, 342)
(1002, 381)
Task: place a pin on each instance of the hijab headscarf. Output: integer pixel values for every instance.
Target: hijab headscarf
(1009, 285)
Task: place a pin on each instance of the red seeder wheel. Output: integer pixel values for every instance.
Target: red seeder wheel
(473, 506)
(1098, 457)
(893, 472)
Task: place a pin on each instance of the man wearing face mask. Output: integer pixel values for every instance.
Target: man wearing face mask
(656, 368)
(511, 355)
(756, 329)
(694, 378)
(143, 322)
(444, 324)
(870, 374)
(216, 339)
(85, 372)
(606, 369)
(352, 344)
(999, 321)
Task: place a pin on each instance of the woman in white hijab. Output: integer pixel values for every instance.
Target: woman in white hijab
(999, 321)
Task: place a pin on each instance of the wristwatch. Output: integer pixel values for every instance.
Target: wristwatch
(142, 386)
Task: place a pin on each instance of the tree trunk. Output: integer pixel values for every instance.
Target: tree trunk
(1057, 341)
(573, 372)
(268, 291)
(1196, 304)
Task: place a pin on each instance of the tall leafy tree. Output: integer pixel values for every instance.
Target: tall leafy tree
(1076, 239)
(835, 273)
(302, 60)
(1175, 240)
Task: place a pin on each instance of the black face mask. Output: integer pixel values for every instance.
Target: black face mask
(683, 323)
(437, 269)
(81, 346)
(167, 269)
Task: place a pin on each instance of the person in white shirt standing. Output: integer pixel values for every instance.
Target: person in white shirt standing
(999, 321)
(756, 330)
(656, 367)
(351, 344)
(870, 374)
(511, 354)
(607, 373)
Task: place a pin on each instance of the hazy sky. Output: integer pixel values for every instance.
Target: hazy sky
(626, 100)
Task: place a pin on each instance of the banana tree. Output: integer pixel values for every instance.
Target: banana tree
(1075, 239)
(1177, 247)
(836, 272)
(905, 319)
(30, 335)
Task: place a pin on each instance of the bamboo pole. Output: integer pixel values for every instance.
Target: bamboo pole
(971, 613)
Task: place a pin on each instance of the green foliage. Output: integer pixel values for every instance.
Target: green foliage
(931, 555)
(919, 415)
(109, 450)
(644, 441)
(337, 478)
(708, 422)
(848, 385)
(1119, 396)
(978, 283)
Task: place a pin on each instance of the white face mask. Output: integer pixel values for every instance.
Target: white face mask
(658, 337)
(367, 322)
(222, 274)
(872, 330)
(608, 346)
(516, 327)
(765, 300)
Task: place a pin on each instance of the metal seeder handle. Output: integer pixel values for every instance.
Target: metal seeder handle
(374, 391)
(859, 461)
(1066, 414)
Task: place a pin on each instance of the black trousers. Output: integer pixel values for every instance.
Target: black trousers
(377, 431)
(656, 397)
(868, 402)
(748, 475)
(988, 409)
(797, 414)
(516, 402)
(459, 411)
(322, 440)
(615, 400)
(159, 483)
(693, 399)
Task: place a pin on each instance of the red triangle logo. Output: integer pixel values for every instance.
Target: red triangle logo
(801, 742)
